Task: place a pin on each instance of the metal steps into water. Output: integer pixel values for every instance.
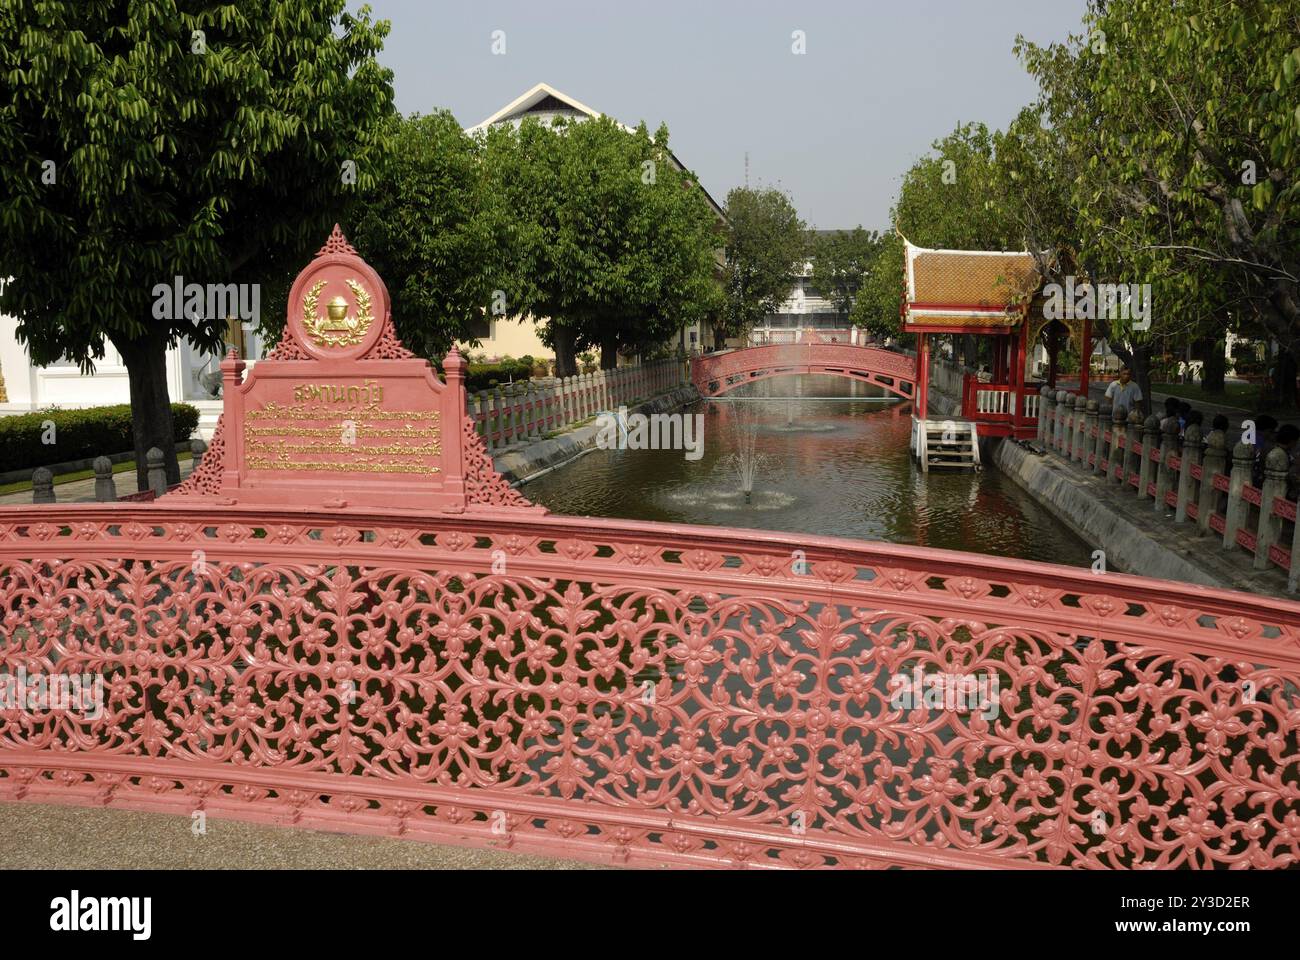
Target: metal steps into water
(949, 444)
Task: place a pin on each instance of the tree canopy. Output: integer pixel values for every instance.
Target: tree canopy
(140, 143)
(766, 247)
(610, 242)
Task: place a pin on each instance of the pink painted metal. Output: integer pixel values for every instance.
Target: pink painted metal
(717, 373)
(645, 693)
(640, 693)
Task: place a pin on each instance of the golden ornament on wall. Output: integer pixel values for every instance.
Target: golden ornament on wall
(336, 328)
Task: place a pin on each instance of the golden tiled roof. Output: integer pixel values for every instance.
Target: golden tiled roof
(970, 278)
(1009, 319)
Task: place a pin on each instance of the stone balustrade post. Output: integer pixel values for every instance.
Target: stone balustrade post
(1165, 473)
(42, 485)
(1058, 436)
(535, 402)
(519, 411)
(1133, 445)
(157, 473)
(1081, 436)
(1045, 415)
(1186, 481)
(1101, 421)
(105, 485)
(1269, 530)
(1118, 424)
(1213, 463)
(1150, 439)
(499, 416)
(1243, 459)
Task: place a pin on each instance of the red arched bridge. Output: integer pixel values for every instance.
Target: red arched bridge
(715, 374)
(381, 636)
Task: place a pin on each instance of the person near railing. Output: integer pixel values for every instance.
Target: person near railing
(1124, 391)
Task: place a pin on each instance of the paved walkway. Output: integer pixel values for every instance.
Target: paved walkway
(54, 837)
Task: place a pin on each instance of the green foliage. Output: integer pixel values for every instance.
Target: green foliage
(1163, 149)
(78, 434)
(841, 262)
(435, 231)
(169, 162)
(608, 239)
(221, 158)
(484, 376)
(950, 200)
(766, 246)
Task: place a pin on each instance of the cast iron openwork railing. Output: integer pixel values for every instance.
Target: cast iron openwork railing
(645, 693)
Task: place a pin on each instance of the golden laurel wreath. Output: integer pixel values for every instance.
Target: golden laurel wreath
(337, 329)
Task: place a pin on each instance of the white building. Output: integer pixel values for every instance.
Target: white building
(192, 377)
(804, 309)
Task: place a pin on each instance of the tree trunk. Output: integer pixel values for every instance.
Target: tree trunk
(566, 352)
(1141, 367)
(151, 409)
(1216, 365)
(608, 351)
(1284, 375)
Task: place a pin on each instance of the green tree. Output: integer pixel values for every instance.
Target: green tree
(610, 243)
(766, 247)
(1197, 137)
(841, 260)
(139, 143)
(434, 229)
(949, 199)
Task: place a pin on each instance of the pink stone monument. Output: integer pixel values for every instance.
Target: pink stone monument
(341, 415)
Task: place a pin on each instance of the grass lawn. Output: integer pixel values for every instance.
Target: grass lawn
(1243, 395)
(20, 485)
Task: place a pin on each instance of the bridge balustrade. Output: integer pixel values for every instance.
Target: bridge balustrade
(647, 693)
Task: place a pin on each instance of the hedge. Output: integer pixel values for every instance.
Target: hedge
(78, 434)
(484, 376)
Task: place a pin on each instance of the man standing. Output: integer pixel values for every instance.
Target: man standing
(1124, 392)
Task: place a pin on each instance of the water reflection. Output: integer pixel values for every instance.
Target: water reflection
(832, 459)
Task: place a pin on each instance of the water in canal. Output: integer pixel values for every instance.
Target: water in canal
(832, 458)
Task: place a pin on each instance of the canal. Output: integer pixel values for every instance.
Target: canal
(830, 457)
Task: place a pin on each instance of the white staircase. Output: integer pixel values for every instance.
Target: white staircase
(952, 444)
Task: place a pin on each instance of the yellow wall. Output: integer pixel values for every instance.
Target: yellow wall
(511, 338)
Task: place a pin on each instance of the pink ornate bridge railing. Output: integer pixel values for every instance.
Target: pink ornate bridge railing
(645, 693)
(715, 374)
(472, 669)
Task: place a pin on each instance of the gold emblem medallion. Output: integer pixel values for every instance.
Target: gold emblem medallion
(336, 328)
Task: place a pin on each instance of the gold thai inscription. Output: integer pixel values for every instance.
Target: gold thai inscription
(341, 420)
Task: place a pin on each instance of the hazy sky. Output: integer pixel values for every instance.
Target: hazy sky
(835, 127)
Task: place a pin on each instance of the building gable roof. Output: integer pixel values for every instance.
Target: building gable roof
(544, 98)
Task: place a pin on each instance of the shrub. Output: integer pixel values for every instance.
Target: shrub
(78, 434)
(484, 376)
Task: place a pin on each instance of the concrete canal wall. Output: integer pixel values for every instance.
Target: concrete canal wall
(528, 461)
